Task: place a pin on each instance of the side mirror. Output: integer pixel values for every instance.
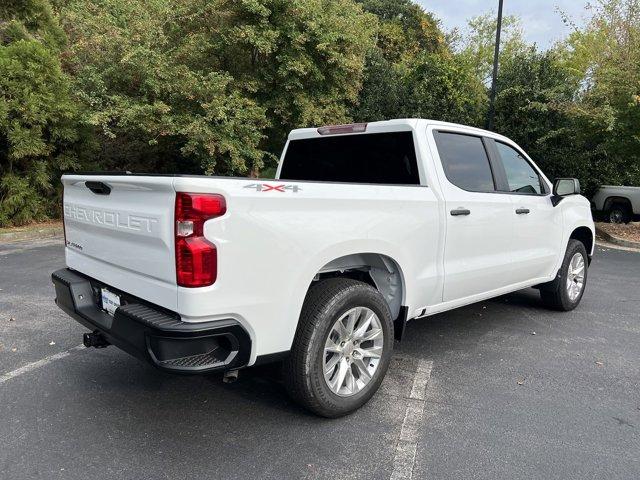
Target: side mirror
(563, 187)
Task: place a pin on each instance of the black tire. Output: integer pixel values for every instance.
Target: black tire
(303, 370)
(618, 213)
(554, 294)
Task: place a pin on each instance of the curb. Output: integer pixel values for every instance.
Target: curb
(31, 232)
(615, 240)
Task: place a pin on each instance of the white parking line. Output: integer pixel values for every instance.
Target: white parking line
(423, 374)
(29, 367)
(405, 456)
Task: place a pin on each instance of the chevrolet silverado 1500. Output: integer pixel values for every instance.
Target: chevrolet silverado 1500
(365, 227)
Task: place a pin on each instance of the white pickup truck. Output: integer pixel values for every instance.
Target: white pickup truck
(365, 227)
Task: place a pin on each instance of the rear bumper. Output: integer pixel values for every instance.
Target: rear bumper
(150, 332)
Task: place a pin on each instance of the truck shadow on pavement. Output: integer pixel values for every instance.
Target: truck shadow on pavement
(260, 388)
(263, 384)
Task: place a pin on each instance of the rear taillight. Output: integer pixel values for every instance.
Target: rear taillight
(196, 257)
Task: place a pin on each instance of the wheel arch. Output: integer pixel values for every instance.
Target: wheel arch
(614, 199)
(379, 270)
(585, 235)
(581, 233)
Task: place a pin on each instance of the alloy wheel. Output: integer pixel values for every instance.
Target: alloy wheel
(352, 351)
(575, 276)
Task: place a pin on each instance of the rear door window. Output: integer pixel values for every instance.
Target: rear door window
(465, 161)
(382, 158)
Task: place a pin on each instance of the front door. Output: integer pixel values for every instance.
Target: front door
(538, 224)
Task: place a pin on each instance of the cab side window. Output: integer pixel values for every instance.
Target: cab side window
(465, 161)
(521, 176)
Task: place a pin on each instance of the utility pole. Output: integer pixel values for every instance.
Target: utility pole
(494, 79)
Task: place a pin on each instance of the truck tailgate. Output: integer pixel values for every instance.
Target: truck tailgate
(119, 230)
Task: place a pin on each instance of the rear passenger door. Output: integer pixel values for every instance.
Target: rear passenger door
(479, 218)
(537, 223)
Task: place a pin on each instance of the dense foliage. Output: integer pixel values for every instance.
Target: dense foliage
(413, 72)
(213, 86)
(181, 85)
(38, 118)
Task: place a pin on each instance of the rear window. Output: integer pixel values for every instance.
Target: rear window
(384, 158)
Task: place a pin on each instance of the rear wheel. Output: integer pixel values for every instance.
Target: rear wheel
(618, 213)
(566, 291)
(342, 347)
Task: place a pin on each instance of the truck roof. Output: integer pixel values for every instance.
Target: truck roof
(390, 126)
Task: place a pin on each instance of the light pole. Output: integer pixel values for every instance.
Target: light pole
(496, 54)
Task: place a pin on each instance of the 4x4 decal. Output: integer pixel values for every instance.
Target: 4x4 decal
(266, 187)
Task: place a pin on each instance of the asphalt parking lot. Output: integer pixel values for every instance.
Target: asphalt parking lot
(501, 389)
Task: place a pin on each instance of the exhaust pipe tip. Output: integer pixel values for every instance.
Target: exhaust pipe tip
(230, 376)
(95, 339)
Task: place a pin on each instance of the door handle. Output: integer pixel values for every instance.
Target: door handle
(99, 188)
(460, 211)
(522, 211)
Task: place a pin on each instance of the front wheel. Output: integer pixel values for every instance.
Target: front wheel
(342, 347)
(566, 291)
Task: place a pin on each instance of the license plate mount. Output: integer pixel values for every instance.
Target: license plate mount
(110, 301)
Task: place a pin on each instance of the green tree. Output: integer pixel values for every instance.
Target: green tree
(442, 88)
(212, 86)
(606, 54)
(384, 90)
(406, 29)
(412, 71)
(476, 45)
(38, 118)
(30, 20)
(153, 107)
(301, 60)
